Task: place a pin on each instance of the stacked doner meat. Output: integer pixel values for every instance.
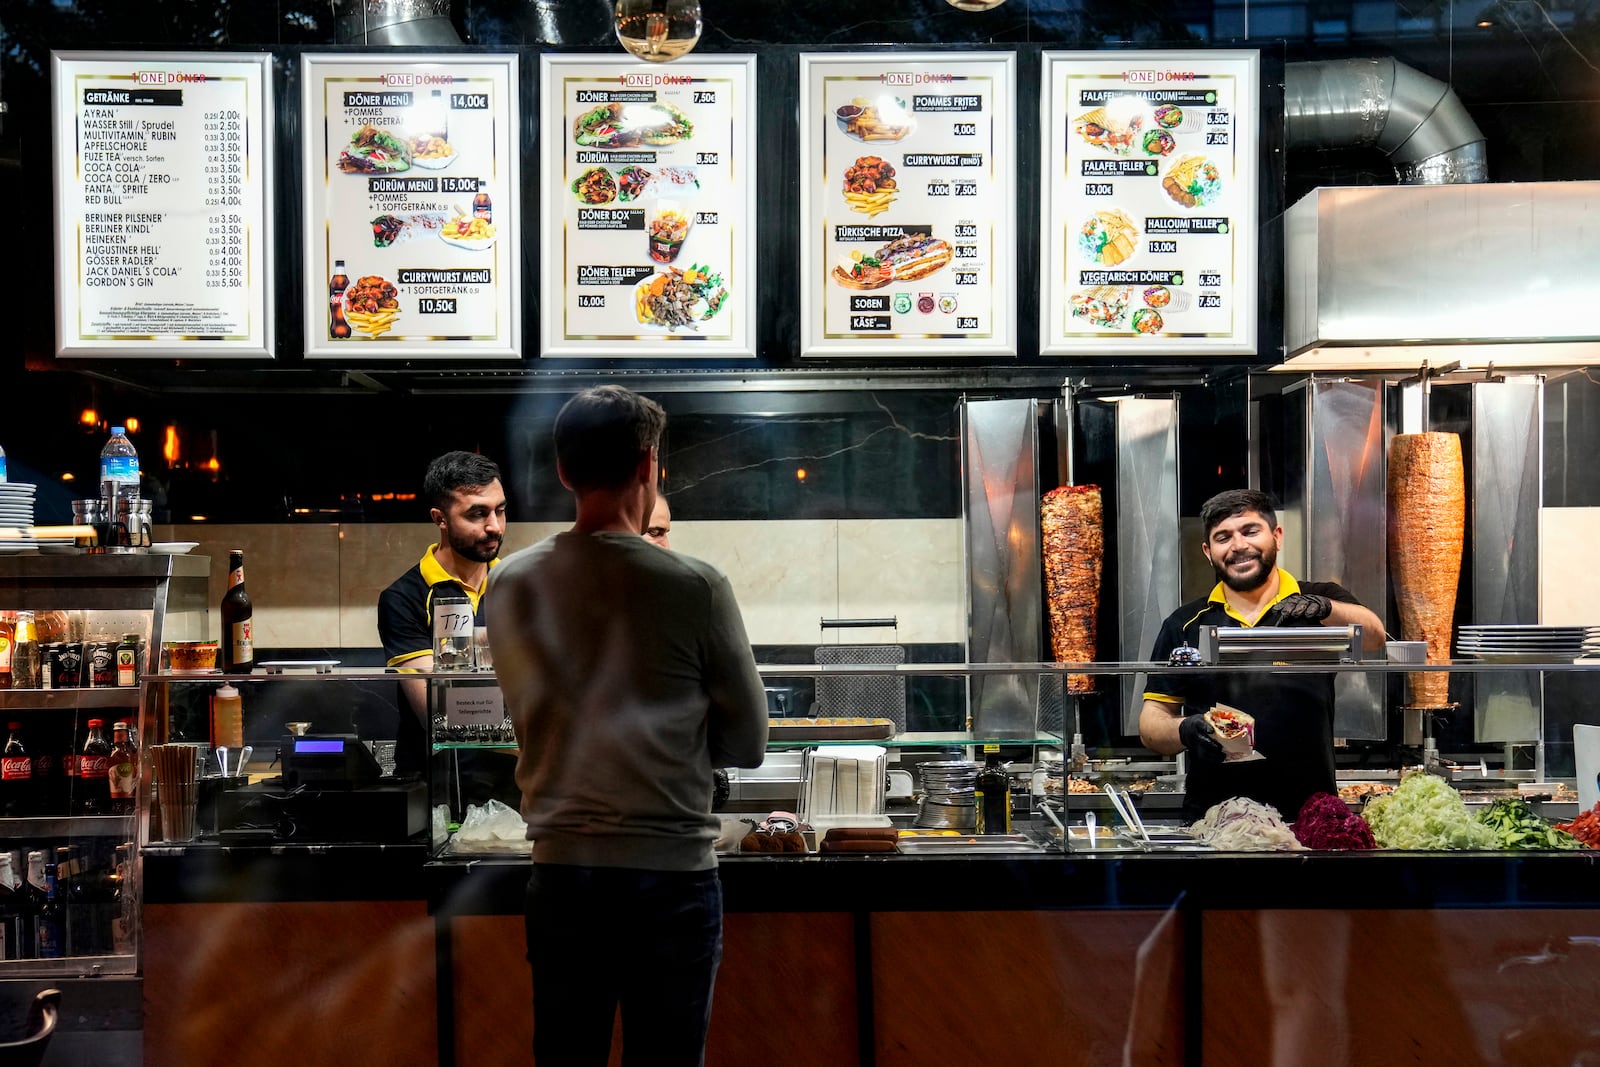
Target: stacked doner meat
(1427, 520)
(1074, 544)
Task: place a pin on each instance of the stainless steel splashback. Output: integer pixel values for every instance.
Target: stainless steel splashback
(999, 449)
(1507, 493)
(1382, 278)
(1141, 433)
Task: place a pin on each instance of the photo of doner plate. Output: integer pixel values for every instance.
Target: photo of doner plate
(672, 298)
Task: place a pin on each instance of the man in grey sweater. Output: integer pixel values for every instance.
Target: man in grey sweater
(628, 678)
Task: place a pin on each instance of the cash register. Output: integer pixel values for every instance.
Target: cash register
(331, 789)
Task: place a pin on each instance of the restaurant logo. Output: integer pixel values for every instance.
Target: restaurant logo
(166, 77)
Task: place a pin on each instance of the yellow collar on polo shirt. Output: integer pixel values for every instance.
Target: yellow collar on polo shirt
(1287, 586)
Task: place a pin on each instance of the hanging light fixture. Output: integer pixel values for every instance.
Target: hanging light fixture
(974, 5)
(658, 30)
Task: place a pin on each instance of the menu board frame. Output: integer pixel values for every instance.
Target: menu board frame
(823, 210)
(320, 150)
(154, 72)
(738, 278)
(1064, 73)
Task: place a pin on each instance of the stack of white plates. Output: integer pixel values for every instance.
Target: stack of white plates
(1528, 643)
(16, 516)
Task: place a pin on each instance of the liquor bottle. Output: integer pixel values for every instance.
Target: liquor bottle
(50, 927)
(338, 325)
(238, 650)
(7, 628)
(122, 776)
(24, 653)
(481, 208)
(11, 909)
(94, 772)
(127, 661)
(16, 776)
(992, 797)
(33, 897)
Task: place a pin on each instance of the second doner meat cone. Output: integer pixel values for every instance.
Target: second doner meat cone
(1074, 544)
(1427, 520)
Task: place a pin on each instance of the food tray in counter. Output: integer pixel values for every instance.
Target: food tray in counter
(830, 729)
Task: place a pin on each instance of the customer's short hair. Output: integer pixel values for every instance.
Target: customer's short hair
(602, 433)
(1231, 502)
(456, 470)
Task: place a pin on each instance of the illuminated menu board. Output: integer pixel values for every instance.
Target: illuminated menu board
(649, 210)
(163, 169)
(908, 204)
(1150, 186)
(412, 206)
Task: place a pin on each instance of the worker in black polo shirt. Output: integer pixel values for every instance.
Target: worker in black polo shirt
(468, 505)
(1293, 712)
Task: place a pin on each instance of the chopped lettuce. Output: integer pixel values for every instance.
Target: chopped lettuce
(1426, 813)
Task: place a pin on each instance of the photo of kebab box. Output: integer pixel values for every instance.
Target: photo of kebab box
(1235, 732)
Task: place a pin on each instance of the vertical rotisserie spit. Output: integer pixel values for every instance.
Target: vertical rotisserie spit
(1074, 545)
(1427, 521)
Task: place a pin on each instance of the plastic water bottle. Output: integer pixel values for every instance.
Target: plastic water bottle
(119, 470)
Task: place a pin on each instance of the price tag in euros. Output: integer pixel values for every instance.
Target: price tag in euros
(1207, 278)
(966, 322)
(706, 159)
(965, 129)
(966, 277)
(440, 305)
(966, 188)
(1163, 246)
(966, 229)
(591, 300)
(469, 101)
(1210, 300)
(458, 185)
(705, 218)
(1097, 189)
(938, 188)
(705, 96)
(1216, 118)
(966, 251)
(1216, 137)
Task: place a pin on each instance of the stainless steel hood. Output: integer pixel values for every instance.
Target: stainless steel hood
(1383, 279)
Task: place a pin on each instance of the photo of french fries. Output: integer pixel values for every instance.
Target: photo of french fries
(887, 119)
(371, 305)
(869, 185)
(374, 323)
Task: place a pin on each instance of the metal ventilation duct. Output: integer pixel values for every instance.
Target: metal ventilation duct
(394, 22)
(1417, 121)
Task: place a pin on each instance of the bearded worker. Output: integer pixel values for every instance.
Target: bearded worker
(1293, 712)
(468, 506)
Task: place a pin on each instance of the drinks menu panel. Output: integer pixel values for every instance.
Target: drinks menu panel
(412, 209)
(1150, 186)
(908, 209)
(649, 212)
(163, 169)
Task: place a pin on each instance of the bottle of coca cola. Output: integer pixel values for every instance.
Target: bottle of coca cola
(16, 776)
(94, 768)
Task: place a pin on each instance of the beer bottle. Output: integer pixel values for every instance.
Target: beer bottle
(34, 893)
(11, 911)
(238, 650)
(94, 772)
(24, 653)
(50, 928)
(16, 776)
(338, 325)
(123, 776)
(6, 629)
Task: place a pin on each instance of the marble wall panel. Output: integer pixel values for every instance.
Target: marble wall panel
(785, 573)
(1569, 582)
(910, 570)
(292, 573)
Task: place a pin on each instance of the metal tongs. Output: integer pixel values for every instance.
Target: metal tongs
(1122, 800)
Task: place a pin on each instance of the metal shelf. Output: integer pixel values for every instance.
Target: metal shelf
(53, 826)
(69, 967)
(61, 699)
(917, 739)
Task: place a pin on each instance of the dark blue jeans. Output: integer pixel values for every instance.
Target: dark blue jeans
(600, 937)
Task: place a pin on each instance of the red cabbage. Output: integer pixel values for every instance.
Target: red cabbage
(1326, 822)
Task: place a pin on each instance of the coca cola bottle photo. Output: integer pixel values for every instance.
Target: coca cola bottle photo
(17, 795)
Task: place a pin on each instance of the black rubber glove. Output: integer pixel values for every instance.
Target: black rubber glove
(1303, 609)
(1200, 739)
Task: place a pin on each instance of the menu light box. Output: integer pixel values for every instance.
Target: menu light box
(413, 206)
(649, 217)
(908, 204)
(163, 170)
(1150, 216)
